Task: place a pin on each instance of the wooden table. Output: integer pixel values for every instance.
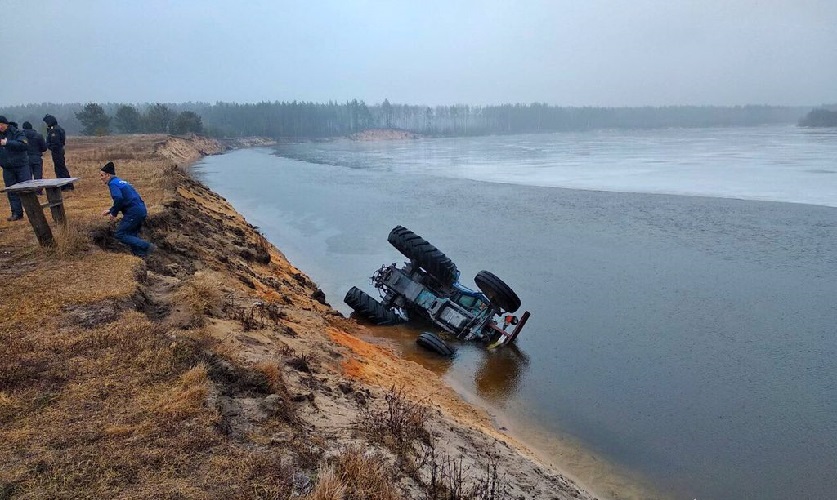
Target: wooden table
(28, 192)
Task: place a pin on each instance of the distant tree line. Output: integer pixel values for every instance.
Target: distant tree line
(103, 119)
(304, 120)
(156, 119)
(315, 120)
(820, 117)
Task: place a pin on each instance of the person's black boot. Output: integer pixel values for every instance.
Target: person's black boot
(14, 217)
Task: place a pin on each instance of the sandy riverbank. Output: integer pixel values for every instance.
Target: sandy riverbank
(212, 369)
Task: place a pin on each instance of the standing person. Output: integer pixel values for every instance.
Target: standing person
(128, 201)
(15, 163)
(37, 146)
(56, 138)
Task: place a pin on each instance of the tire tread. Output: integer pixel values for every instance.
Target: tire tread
(416, 248)
(366, 306)
(497, 291)
(432, 342)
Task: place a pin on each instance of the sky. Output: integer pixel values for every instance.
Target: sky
(559, 52)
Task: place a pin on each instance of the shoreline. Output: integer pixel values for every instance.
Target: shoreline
(254, 365)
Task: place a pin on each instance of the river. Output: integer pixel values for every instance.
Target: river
(682, 286)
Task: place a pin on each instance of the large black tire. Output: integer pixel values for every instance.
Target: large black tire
(432, 342)
(416, 248)
(369, 308)
(499, 293)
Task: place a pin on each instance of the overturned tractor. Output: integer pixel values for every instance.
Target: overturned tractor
(428, 288)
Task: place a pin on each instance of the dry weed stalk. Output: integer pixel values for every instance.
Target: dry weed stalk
(301, 363)
(399, 426)
(255, 317)
(449, 479)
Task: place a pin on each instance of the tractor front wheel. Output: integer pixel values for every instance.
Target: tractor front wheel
(497, 291)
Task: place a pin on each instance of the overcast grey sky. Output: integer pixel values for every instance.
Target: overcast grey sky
(562, 52)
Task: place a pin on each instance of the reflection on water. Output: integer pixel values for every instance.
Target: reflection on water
(500, 372)
(497, 373)
(402, 339)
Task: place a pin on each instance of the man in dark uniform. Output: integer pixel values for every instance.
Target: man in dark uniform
(128, 201)
(37, 146)
(15, 163)
(56, 138)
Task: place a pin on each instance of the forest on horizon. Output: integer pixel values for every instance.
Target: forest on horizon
(309, 120)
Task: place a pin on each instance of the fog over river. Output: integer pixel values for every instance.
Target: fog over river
(682, 287)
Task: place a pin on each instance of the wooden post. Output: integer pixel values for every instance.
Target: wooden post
(56, 205)
(30, 203)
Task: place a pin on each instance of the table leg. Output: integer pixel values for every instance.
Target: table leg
(36, 217)
(56, 204)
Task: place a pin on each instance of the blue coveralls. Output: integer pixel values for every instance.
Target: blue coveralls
(128, 201)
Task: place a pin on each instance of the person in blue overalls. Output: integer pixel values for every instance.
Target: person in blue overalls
(128, 201)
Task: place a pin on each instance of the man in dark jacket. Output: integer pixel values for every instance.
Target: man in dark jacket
(128, 201)
(55, 142)
(37, 146)
(15, 163)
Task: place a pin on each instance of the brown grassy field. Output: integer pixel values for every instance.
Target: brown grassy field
(210, 369)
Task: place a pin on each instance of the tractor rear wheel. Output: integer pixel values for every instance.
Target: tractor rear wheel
(416, 248)
(499, 293)
(432, 342)
(367, 307)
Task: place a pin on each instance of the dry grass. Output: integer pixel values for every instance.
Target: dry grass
(72, 240)
(188, 397)
(200, 297)
(367, 475)
(40, 288)
(96, 399)
(277, 385)
(329, 487)
(356, 474)
(95, 410)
